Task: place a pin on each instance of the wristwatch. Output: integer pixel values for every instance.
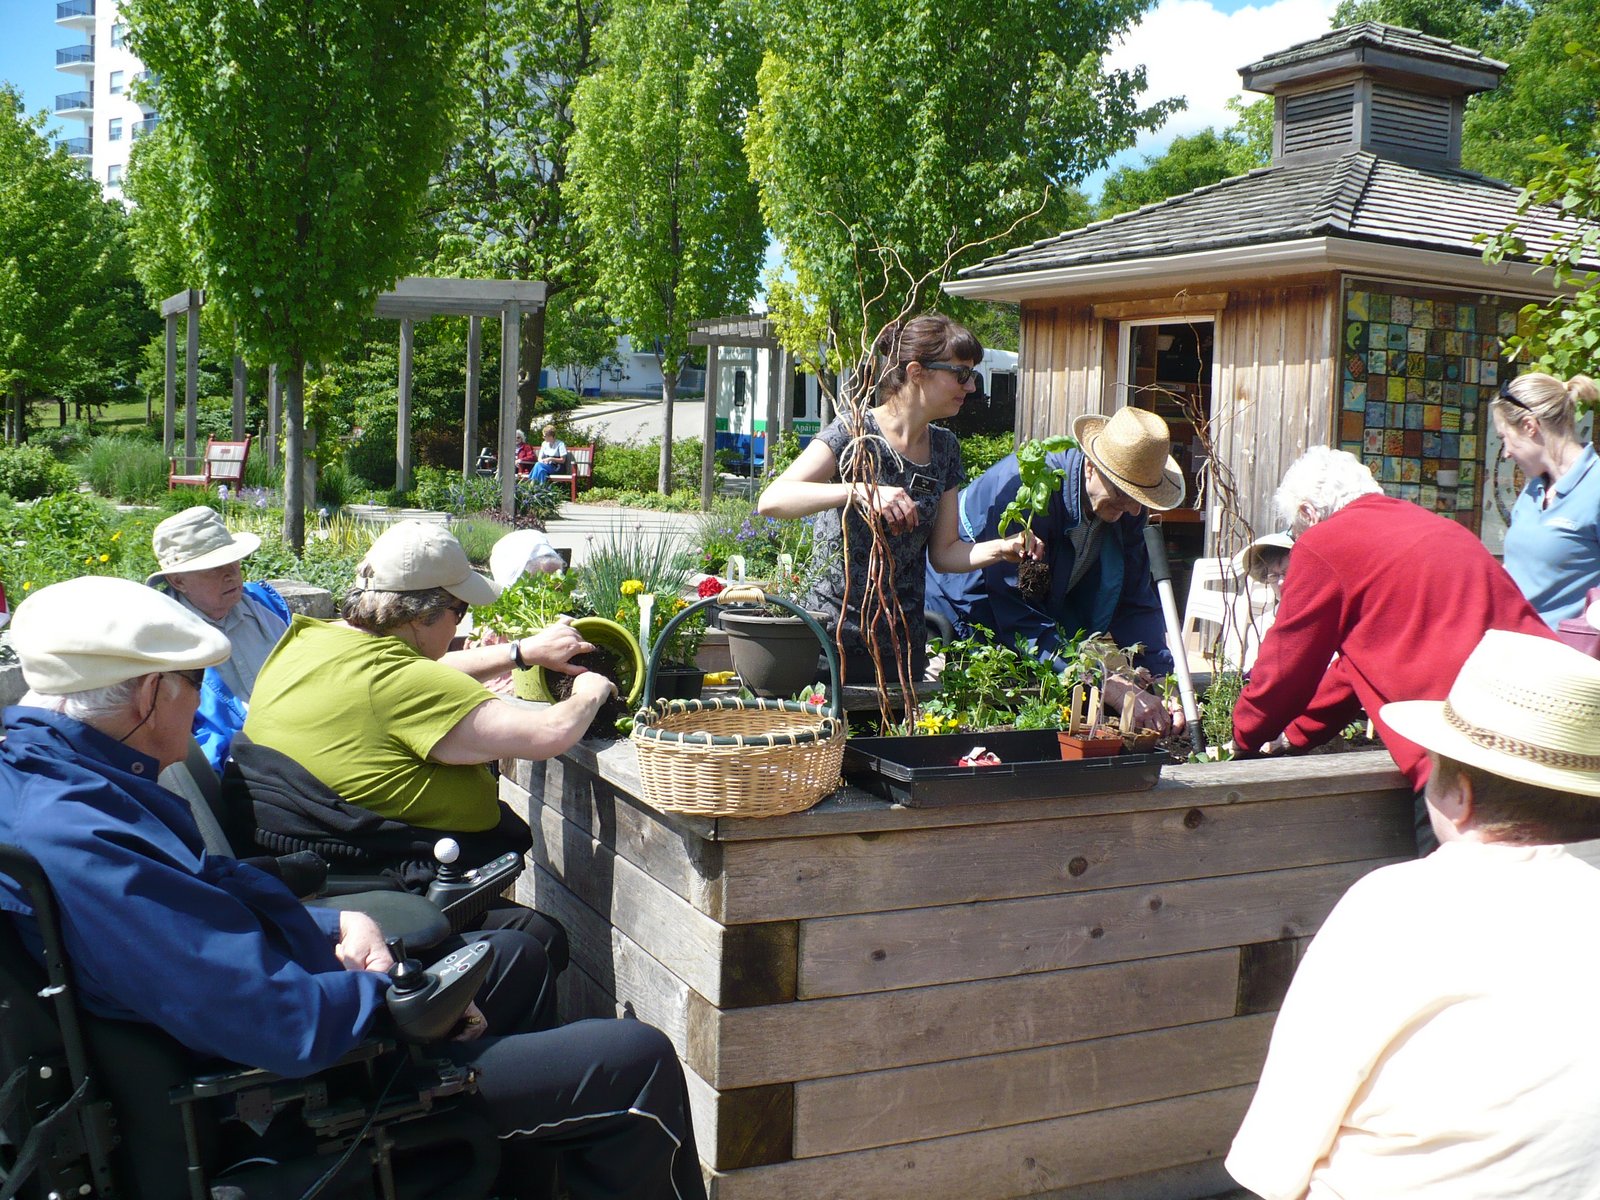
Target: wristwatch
(516, 655)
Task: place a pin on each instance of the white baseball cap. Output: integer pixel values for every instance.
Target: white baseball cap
(413, 556)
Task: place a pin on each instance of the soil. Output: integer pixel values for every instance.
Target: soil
(602, 662)
(1033, 582)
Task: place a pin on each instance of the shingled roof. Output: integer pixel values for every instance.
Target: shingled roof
(1358, 196)
(1372, 35)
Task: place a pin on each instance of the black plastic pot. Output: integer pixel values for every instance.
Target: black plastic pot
(675, 682)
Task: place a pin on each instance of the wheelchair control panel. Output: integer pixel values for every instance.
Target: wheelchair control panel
(464, 895)
(427, 1004)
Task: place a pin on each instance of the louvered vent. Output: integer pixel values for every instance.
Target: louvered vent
(1319, 119)
(1410, 122)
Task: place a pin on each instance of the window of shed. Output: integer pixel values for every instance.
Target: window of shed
(1167, 369)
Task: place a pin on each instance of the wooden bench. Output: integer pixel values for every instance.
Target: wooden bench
(581, 459)
(223, 463)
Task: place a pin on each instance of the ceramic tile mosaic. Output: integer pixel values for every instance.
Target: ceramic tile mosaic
(1417, 367)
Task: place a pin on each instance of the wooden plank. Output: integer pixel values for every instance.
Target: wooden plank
(640, 985)
(846, 1035)
(1265, 972)
(844, 956)
(1183, 303)
(1019, 1160)
(1181, 786)
(833, 876)
(732, 967)
(857, 1112)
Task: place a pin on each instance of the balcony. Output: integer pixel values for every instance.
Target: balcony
(79, 59)
(75, 14)
(78, 147)
(148, 125)
(75, 104)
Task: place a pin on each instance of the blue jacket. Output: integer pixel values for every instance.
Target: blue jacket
(218, 954)
(1117, 598)
(221, 714)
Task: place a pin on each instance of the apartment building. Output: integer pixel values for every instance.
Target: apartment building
(98, 73)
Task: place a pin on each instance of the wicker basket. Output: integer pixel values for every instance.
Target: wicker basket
(738, 758)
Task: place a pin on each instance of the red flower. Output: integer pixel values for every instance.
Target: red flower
(710, 586)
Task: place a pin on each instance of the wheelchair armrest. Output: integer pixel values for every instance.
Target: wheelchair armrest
(413, 918)
(229, 1080)
(349, 885)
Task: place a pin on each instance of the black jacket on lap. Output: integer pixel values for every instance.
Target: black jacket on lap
(282, 807)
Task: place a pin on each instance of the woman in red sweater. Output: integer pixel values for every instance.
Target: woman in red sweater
(1399, 594)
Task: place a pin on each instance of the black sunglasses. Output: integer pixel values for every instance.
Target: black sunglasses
(1505, 394)
(961, 373)
(193, 678)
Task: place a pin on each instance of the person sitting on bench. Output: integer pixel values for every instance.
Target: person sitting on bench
(226, 960)
(553, 456)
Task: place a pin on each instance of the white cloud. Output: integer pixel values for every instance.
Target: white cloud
(1192, 49)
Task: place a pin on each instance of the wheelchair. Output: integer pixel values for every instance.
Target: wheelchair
(91, 1106)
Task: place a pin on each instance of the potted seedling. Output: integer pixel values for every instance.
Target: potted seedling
(1085, 735)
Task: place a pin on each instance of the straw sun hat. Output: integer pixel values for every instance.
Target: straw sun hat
(1523, 707)
(1132, 449)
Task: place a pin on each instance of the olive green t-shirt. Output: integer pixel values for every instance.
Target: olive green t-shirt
(362, 713)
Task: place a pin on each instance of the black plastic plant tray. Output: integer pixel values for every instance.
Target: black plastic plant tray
(921, 772)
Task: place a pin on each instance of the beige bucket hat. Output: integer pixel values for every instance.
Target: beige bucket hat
(413, 556)
(1247, 560)
(197, 540)
(94, 631)
(1132, 448)
(1523, 707)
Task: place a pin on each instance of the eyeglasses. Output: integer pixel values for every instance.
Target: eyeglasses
(193, 678)
(962, 374)
(459, 611)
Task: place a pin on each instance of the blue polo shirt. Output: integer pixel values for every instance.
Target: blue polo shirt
(218, 954)
(1554, 552)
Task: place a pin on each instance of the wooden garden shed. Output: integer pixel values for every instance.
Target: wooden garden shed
(1335, 296)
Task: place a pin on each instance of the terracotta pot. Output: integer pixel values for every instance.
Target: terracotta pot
(775, 656)
(1075, 745)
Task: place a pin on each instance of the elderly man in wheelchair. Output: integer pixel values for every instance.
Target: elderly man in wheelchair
(322, 1065)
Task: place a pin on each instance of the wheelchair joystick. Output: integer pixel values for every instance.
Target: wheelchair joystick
(406, 975)
(426, 1005)
(448, 852)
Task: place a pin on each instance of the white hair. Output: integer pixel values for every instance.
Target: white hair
(96, 704)
(1325, 480)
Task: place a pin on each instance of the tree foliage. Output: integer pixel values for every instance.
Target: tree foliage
(660, 183)
(70, 309)
(1562, 335)
(312, 128)
(916, 127)
(1193, 161)
(501, 205)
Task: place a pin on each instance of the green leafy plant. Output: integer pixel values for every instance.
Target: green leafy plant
(1216, 710)
(528, 605)
(627, 566)
(1037, 482)
(478, 536)
(28, 472)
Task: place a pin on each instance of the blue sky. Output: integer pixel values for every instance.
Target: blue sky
(1191, 48)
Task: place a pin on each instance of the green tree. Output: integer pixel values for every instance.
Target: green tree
(312, 128)
(1193, 161)
(501, 204)
(890, 133)
(660, 183)
(1561, 335)
(67, 295)
(1546, 92)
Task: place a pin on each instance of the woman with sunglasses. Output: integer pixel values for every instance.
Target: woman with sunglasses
(1552, 548)
(896, 466)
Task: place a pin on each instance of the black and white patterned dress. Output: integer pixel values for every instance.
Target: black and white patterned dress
(926, 483)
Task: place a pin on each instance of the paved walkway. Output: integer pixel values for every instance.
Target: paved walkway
(632, 420)
(582, 526)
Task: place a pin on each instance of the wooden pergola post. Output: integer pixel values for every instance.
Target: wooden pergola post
(169, 409)
(751, 330)
(708, 431)
(510, 331)
(469, 432)
(189, 304)
(402, 424)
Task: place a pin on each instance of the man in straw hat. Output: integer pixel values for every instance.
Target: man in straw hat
(1091, 540)
(1400, 595)
(1439, 1038)
(224, 958)
(202, 566)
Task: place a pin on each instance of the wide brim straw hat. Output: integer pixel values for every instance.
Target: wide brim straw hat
(197, 540)
(1132, 449)
(1523, 707)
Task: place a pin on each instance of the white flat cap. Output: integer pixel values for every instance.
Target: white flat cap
(95, 631)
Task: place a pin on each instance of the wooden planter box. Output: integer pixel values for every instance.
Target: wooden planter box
(1063, 998)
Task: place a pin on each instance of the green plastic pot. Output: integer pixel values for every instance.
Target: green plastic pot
(534, 683)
